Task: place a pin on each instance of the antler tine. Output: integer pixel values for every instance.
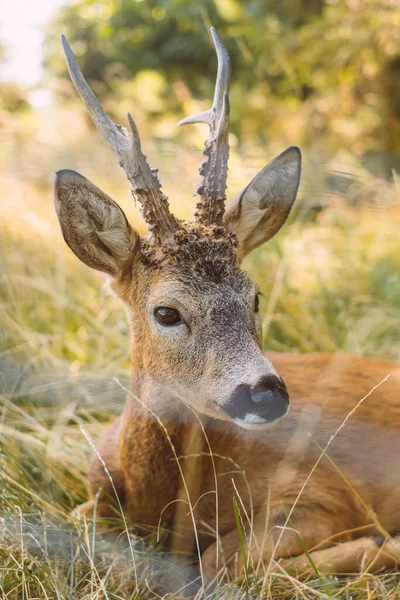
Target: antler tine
(214, 168)
(221, 85)
(145, 183)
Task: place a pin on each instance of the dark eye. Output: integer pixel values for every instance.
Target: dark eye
(167, 316)
(257, 302)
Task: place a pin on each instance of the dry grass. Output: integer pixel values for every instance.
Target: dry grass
(331, 282)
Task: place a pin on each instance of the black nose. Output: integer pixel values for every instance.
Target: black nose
(268, 400)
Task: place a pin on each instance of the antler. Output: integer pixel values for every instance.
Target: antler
(146, 186)
(214, 167)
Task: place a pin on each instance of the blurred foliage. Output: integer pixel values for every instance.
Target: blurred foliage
(336, 62)
(13, 98)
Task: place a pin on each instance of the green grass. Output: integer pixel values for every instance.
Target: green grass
(331, 282)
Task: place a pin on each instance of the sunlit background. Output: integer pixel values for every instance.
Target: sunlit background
(321, 74)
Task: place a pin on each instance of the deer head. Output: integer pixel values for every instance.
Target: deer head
(194, 313)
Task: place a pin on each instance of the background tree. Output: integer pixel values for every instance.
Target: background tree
(334, 62)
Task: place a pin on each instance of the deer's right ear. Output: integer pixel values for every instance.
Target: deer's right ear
(260, 210)
(93, 225)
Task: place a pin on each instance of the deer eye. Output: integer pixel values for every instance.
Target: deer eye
(167, 316)
(257, 302)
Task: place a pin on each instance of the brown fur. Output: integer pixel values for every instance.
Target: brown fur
(174, 421)
(276, 462)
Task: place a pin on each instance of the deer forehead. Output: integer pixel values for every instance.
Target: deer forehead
(209, 271)
(196, 263)
(205, 296)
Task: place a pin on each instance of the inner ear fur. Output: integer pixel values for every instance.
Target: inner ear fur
(93, 225)
(261, 208)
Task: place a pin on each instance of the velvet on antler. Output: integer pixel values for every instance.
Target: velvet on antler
(214, 168)
(126, 145)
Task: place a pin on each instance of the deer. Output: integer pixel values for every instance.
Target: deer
(307, 445)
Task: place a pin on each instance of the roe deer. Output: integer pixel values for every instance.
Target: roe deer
(197, 426)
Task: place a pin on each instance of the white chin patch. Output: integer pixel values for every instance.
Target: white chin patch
(252, 421)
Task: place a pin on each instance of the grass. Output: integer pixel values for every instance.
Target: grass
(331, 282)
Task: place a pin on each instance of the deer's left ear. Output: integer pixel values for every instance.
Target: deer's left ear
(260, 210)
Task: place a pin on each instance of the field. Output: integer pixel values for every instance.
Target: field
(331, 282)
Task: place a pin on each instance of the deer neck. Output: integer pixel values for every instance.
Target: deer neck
(157, 430)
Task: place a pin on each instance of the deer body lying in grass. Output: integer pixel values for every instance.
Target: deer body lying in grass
(207, 420)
